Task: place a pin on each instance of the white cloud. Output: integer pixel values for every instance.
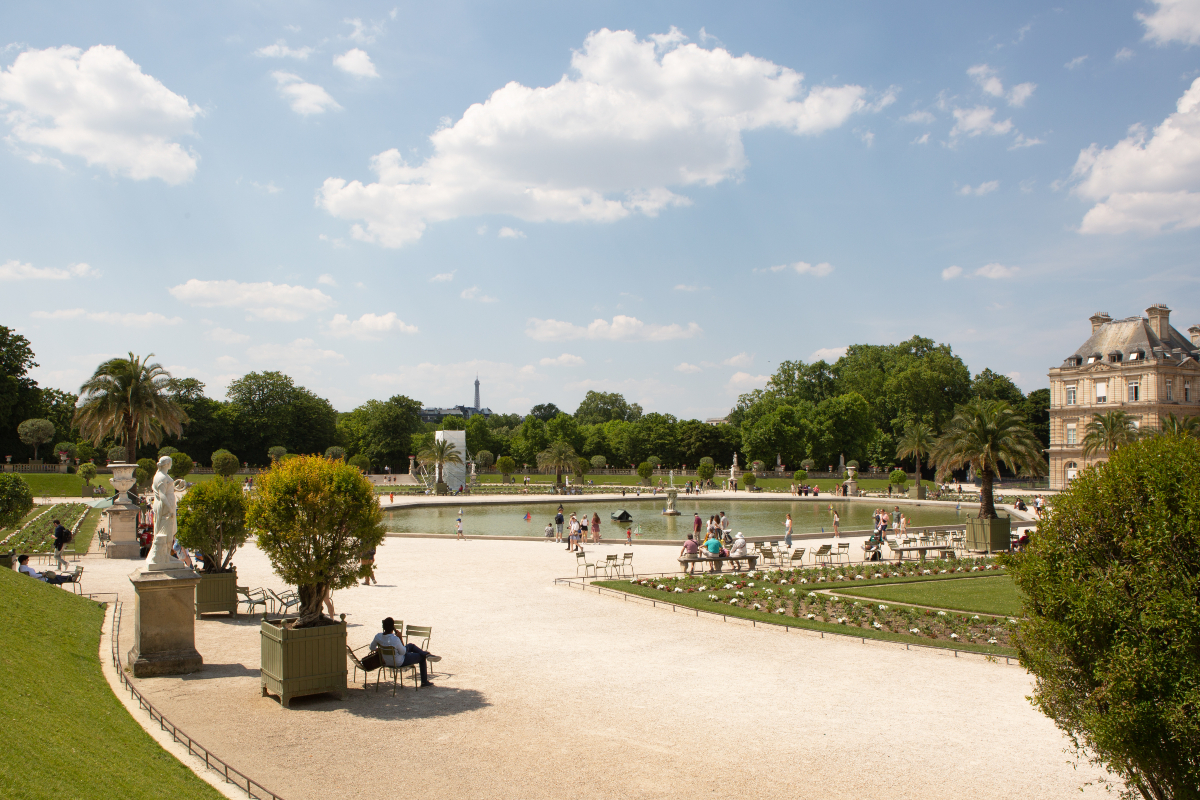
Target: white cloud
(1016, 376)
(687, 368)
(988, 81)
(922, 139)
(304, 98)
(473, 293)
(357, 63)
(745, 382)
(636, 120)
(829, 354)
(978, 120)
(996, 271)
(16, 271)
(281, 50)
(1124, 54)
(146, 320)
(510, 233)
(363, 34)
(443, 277)
(986, 187)
(802, 268)
(269, 187)
(1075, 62)
(951, 272)
(922, 117)
(740, 360)
(267, 301)
(621, 329)
(565, 360)
(1146, 184)
(227, 336)
(100, 106)
(369, 326)
(297, 356)
(1173, 21)
(1022, 140)
(683, 287)
(327, 280)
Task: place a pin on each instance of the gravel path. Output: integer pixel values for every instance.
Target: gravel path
(549, 692)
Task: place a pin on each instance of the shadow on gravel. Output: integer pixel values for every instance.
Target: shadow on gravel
(434, 701)
(211, 671)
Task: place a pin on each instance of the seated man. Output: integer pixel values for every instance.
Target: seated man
(690, 549)
(405, 654)
(713, 546)
(739, 549)
(49, 577)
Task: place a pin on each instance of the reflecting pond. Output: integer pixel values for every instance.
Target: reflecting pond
(753, 518)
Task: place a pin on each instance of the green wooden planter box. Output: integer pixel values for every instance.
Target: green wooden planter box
(988, 535)
(217, 591)
(304, 661)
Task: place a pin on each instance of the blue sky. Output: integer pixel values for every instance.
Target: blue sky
(660, 199)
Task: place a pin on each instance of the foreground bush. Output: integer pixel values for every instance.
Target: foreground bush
(1112, 579)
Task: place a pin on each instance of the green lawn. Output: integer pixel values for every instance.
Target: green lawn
(65, 734)
(991, 595)
(53, 484)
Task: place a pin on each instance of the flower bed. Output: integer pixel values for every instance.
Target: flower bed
(37, 535)
(794, 597)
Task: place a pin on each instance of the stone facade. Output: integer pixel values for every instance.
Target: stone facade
(1139, 365)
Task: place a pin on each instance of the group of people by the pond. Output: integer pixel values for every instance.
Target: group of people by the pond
(577, 529)
(804, 490)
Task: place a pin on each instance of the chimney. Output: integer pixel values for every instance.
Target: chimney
(1098, 319)
(1159, 316)
(1194, 331)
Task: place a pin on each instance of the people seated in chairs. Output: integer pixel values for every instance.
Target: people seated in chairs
(739, 549)
(48, 577)
(405, 654)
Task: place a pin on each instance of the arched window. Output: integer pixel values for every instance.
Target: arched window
(1071, 470)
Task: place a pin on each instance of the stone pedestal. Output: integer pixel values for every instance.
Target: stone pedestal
(851, 488)
(671, 511)
(164, 623)
(122, 531)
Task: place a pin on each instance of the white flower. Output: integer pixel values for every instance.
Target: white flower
(855, 602)
(883, 608)
(975, 617)
(780, 611)
(876, 625)
(733, 602)
(941, 613)
(634, 580)
(1012, 621)
(991, 641)
(729, 586)
(770, 591)
(678, 590)
(841, 620)
(701, 588)
(841, 577)
(804, 580)
(713, 597)
(914, 630)
(859, 578)
(660, 586)
(954, 636)
(812, 616)
(791, 591)
(821, 579)
(739, 594)
(757, 606)
(925, 572)
(751, 585)
(943, 572)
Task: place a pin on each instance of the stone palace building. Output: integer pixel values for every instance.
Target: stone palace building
(1140, 365)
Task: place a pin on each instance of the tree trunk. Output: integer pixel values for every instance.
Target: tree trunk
(130, 444)
(987, 506)
(310, 605)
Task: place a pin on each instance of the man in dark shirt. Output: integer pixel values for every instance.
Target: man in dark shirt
(61, 537)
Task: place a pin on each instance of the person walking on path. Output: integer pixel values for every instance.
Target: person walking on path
(368, 567)
(61, 537)
(595, 528)
(458, 527)
(836, 520)
(787, 536)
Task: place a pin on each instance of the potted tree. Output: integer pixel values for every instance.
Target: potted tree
(313, 517)
(212, 520)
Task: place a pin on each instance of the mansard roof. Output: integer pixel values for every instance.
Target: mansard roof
(1133, 335)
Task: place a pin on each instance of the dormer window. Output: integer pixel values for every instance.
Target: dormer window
(1137, 355)
(1114, 358)
(1094, 359)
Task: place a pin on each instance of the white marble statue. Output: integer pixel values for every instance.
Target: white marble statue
(165, 523)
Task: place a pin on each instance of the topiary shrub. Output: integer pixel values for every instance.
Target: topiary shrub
(808, 464)
(277, 452)
(582, 466)
(655, 461)
(361, 462)
(335, 453)
(852, 464)
(898, 477)
(314, 517)
(212, 519)
(484, 459)
(225, 463)
(181, 465)
(34, 432)
(116, 453)
(16, 500)
(144, 472)
(705, 471)
(506, 465)
(65, 451)
(645, 470)
(88, 473)
(749, 479)
(166, 450)
(800, 475)
(1111, 633)
(757, 466)
(599, 462)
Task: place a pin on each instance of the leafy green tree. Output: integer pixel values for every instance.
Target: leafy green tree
(800, 475)
(506, 466)
(898, 477)
(144, 474)
(129, 399)
(697, 440)
(596, 408)
(384, 431)
(558, 457)
(212, 519)
(268, 409)
(645, 470)
(166, 450)
(335, 452)
(1036, 409)
(35, 432)
(582, 467)
(656, 434)
(989, 385)
(59, 407)
(181, 465)
(16, 500)
(545, 411)
(1106, 432)
(314, 518)
(916, 442)
(985, 434)
(530, 439)
(785, 432)
(1111, 633)
(749, 479)
(843, 427)
(705, 472)
(564, 428)
(20, 397)
(438, 454)
(484, 459)
(599, 462)
(361, 462)
(88, 473)
(479, 435)
(225, 463)
(277, 452)
(453, 423)
(211, 425)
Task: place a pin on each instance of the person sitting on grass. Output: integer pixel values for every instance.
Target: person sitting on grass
(406, 654)
(49, 577)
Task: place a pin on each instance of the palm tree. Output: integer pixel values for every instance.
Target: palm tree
(916, 442)
(439, 454)
(129, 398)
(984, 434)
(559, 456)
(1173, 426)
(1107, 432)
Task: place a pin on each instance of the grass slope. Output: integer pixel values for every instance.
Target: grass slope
(64, 733)
(991, 595)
